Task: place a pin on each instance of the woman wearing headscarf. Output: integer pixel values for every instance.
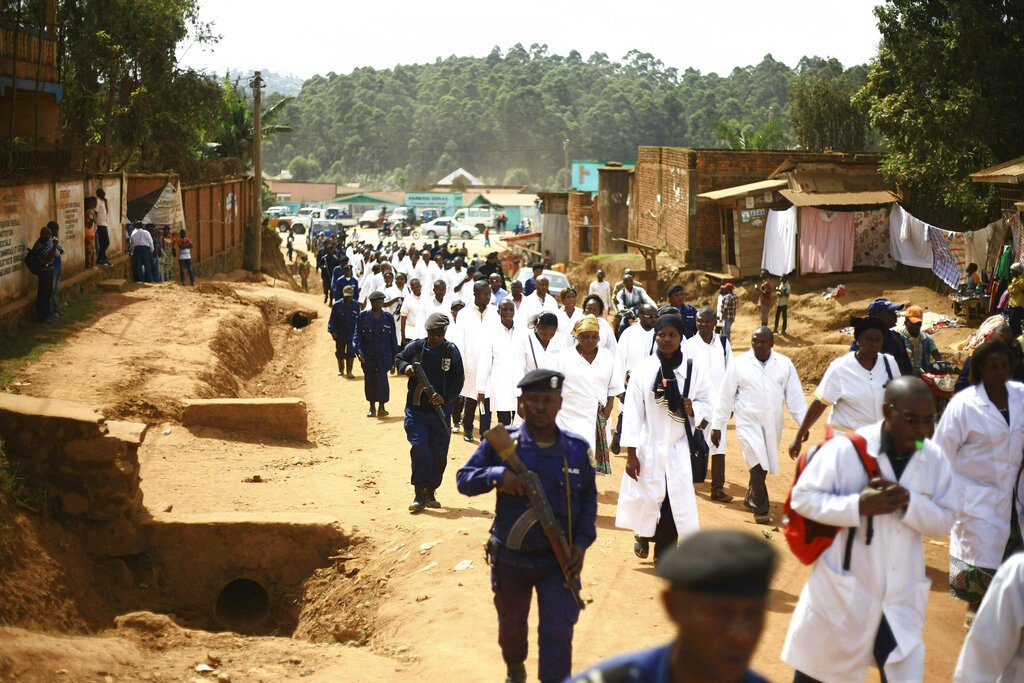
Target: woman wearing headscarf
(853, 384)
(657, 499)
(982, 433)
(589, 389)
(593, 305)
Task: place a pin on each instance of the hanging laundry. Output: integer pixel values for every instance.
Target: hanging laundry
(977, 245)
(908, 239)
(943, 263)
(779, 256)
(958, 248)
(1002, 271)
(1013, 218)
(871, 239)
(826, 241)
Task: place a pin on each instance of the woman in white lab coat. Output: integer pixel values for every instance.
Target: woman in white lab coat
(993, 651)
(853, 384)
(589, 389)
(593, 305)
(538, 346)
(657, 499)
(568, 315)
(982, 434)
(498, 366)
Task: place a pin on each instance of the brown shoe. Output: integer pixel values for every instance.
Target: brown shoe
(763, 519)
(720, 496)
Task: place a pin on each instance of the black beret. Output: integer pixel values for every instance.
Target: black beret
(674, 288)
(458, 303)
(376, 296)
(542, 381)
(436, 322)
(720, 562)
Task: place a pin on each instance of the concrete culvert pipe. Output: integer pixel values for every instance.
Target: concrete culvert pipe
(243, 606)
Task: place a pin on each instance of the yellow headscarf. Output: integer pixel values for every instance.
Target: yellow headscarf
(587, 323)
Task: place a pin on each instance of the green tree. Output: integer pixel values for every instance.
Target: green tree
(235, 132)
(517, 176)
(822, 110)
(768, 135)
(304, 168)
(947, 91)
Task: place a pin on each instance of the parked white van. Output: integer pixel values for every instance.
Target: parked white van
(478, 216)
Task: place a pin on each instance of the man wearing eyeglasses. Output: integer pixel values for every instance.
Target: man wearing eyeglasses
(868, 603)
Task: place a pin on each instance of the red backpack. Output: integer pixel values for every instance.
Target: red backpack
(809, 539)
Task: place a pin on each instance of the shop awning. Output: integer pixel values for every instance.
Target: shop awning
(839, 198)
(741, 190)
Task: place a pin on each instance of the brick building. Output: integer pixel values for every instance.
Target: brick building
(30, 90)
(665, 210)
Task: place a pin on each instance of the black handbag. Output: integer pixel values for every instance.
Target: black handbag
(699, 450)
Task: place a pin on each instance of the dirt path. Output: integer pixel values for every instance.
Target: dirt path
(429, 620)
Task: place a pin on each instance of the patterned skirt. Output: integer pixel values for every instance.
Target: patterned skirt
(601, 455)
(970, 583)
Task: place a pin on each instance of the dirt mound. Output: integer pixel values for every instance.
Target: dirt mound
(339, 603)
(272, 261)
(612, 264)
(46, 580)
(811, 361)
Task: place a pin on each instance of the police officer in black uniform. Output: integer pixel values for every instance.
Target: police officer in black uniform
(429, 434)
(376, 344)
(522, 560)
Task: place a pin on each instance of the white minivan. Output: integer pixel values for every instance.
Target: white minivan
(478, 216)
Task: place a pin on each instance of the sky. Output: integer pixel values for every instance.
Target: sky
(307, 37)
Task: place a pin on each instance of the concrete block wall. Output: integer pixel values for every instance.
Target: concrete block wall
(88, 467)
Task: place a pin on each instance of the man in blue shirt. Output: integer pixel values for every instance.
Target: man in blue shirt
(530, 286)
(376, 345)
(342, 326)
(677, 300)
(520, 555)
(429, 435)
(717, 594)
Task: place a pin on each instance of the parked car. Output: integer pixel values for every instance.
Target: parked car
(556, 281)
(370, 219)
(427, 215)
(479, 216)
(277, 211)
(443, 227)
(304, 217)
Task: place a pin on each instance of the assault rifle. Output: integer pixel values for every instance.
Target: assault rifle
(424, 386)
(506, 448)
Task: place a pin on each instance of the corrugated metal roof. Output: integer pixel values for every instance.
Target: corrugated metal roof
(1011, 171)
(741, 190)
(839, 198)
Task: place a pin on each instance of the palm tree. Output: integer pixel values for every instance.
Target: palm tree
(234, 134)
(768, 136)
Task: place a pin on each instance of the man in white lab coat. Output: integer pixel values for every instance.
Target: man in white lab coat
(755, 388)
(535, 303)
(994, 651)
(711, 353)
(867, 594)
(635, 344)
(474, 323)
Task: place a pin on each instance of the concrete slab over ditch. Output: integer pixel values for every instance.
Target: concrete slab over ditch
(265, 416)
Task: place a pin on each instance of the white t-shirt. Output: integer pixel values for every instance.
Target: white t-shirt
(101, 212)
(855, 394)
(412, 311)
(603, 290)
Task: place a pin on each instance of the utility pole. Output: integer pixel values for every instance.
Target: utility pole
(568, 171)
(254, 245)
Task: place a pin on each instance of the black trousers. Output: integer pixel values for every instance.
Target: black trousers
(885, 643)
(469, 415)
(665, 534)
(757, 491)
(782, 311)
(44, 288)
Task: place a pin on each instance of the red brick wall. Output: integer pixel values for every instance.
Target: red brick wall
(579, 207)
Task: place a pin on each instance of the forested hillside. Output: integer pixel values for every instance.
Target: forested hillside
(505, 116)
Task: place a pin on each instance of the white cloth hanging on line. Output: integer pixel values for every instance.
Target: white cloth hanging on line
(908, 239)
(779, 255)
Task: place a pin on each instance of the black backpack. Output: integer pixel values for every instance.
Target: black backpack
(32, 261)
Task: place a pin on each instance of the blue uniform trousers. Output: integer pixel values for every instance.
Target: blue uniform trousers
(514, 576)
(375, 383)
(428, 441)
(343, 347)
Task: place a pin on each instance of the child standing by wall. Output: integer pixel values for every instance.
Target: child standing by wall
(185, 257)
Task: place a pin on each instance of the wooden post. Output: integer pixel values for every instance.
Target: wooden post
(254, 245)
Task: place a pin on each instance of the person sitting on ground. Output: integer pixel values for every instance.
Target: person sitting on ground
(716, 577)
(920, 346)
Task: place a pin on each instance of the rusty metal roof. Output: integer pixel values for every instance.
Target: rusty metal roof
(741, 190)
(839, 198)
(1008, 172)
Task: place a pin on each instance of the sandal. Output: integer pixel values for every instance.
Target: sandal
(641, 547)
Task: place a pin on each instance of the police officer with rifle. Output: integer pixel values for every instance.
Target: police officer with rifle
(544, 522)
(434, 368)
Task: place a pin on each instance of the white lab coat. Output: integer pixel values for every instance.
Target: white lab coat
(994, 651)
(566, 323)
(662, 449)
(472, 327)
(532, 307)
(412, 311)
(985, 454)
(832, 632)
(498, 366)
(533, 355)
(635, 345)
(586, 387)
(856, 395)
(755, 394)
(713, 359)
(607, 336)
